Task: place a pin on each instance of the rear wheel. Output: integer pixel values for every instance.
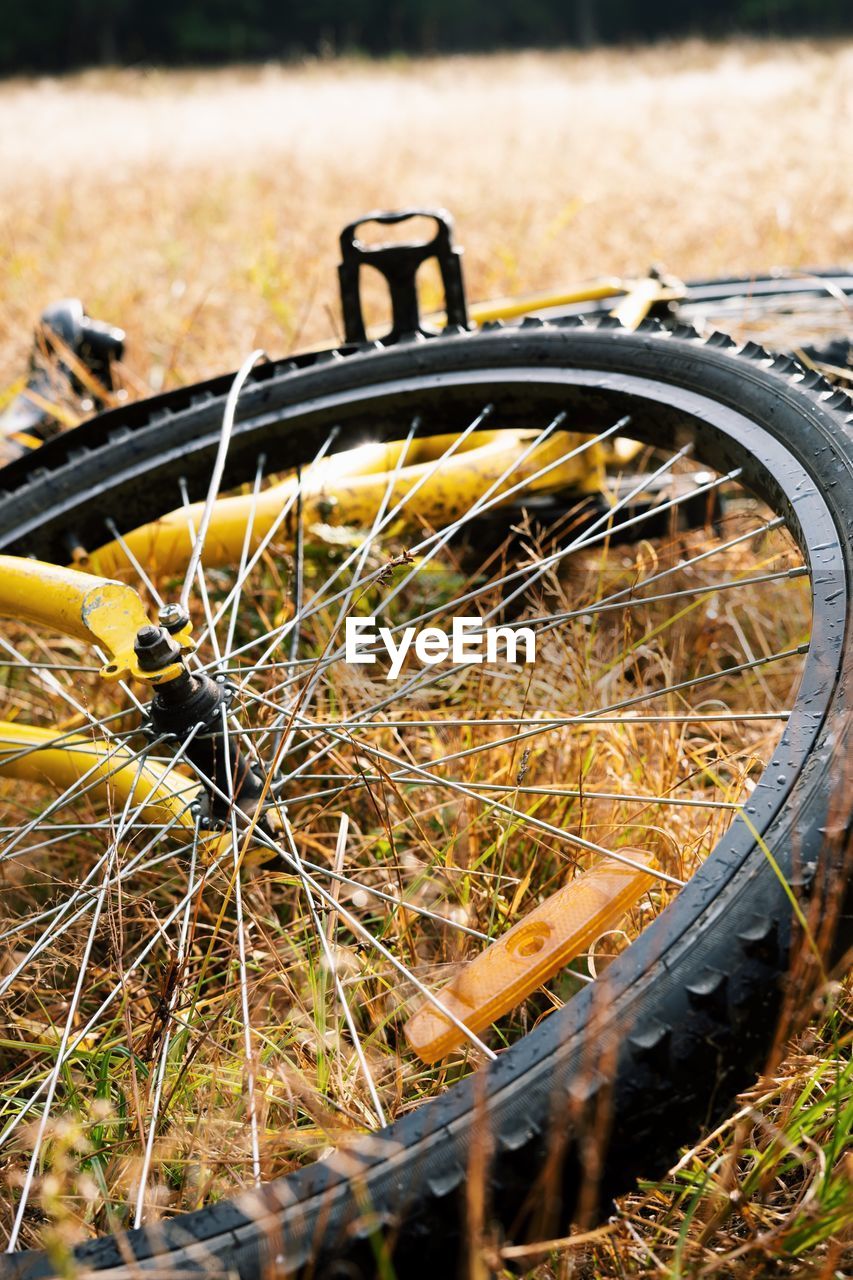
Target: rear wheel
(807, 314)
(706, 668)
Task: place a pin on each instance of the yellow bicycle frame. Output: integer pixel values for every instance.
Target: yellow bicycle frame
(637, 299)
(349, 488)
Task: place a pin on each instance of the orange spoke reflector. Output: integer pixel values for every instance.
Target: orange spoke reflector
(529, 953)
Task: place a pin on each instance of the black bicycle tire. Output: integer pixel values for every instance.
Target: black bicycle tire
(698, 1005)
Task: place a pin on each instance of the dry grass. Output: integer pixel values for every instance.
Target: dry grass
(202, 210)
(768, 1194)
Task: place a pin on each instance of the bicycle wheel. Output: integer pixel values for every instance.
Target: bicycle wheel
(800, 312)
(791, 311)
(225, 1026)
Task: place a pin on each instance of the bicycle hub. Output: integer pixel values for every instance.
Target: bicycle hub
(189, 709)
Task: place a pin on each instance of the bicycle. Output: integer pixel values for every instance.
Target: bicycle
(277, 866)
(805, 313)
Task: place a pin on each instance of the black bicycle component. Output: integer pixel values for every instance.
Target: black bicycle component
(155, 649)
(95, 342)
(837, 352)
(189, 710)
(399, 264)
(63, 326)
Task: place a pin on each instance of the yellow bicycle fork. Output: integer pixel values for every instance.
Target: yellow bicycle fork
(108, 615)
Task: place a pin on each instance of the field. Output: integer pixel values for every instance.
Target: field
(200, 211)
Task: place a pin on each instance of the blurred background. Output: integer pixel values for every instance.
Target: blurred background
(58, 35)
(185, 166)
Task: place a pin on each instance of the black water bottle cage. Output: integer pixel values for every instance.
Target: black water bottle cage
(399, 264)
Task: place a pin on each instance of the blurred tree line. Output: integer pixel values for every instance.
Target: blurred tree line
(57, 35)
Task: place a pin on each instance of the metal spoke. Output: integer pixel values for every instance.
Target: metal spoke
(270, 534)
(279, 633)
(62, 828)
(299, 565)
(26, 664)
(586, 539)
(337, 876)
(331, 963)
(484, 503)
(50, 937)
(73, 791)
(594, 607)
(590, 537)
(529, 819)
(216, 474)
(681, 565)
(549, 622)
(53, 1079)
(558, 722)
(241, 951)
(543, 564)
(599, 717)
(357, 927)
(244, 556)
(353, 922)
(167, 1036)
(438, 540)
(358, 782)
(215, 864)
(50, 682)
(490, 499)
(134, 563)
(596, 716)
(276, 749)
(134, 865)
(200, 578)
